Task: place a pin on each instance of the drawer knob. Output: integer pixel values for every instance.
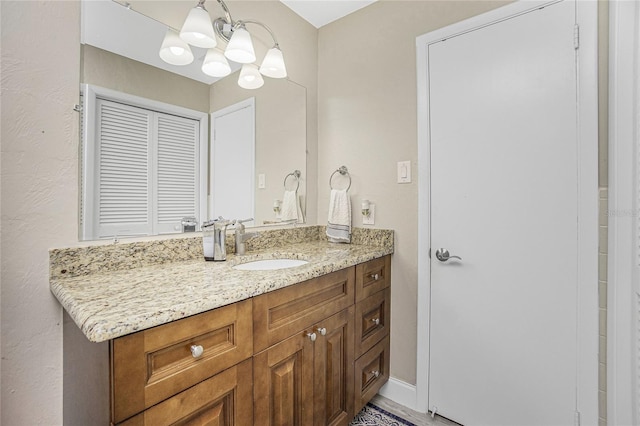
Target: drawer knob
(312, 336)
(375, 373)
(196, 351)
(322, 331)
(376, 321)
(375, 276)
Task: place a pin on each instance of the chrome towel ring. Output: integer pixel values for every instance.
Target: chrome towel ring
(344, 172)
(296, 174)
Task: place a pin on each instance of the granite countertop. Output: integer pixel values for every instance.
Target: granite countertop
(106, 305)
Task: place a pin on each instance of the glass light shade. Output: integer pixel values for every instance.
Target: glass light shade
(197, 29)
(250, 77)
(240, 47)
(174, 50)
(273, 64)
(215, 64)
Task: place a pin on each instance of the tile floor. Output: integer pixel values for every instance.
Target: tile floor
(419, 419)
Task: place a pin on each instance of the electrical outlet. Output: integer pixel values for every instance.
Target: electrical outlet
(371, 219)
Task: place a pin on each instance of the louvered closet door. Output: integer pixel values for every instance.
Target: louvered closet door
(123, 203)
(177, 172)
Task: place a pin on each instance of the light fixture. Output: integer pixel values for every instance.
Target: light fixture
(250, 77)
(215, 64)
(240, 47)
(174, 50)
(273, 64)
(198, 30)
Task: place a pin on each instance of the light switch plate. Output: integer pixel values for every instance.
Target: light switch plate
(261, 181)
(371, 219)
(404, 171)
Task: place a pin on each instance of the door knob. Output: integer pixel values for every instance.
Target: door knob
(442, 254)
(196, 351)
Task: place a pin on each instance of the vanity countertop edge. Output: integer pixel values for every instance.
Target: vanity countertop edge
(113, 304)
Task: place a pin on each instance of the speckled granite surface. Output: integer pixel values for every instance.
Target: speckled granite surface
(76, 261)
(110, 298)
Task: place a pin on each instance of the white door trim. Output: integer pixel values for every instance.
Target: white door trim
(587, 363)
(623, 270)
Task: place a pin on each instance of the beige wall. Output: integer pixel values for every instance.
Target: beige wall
(367, 121)
(603, 181)
(280, 110)
(603, 92)
(40, 80)
(299, 43)
(115, 72)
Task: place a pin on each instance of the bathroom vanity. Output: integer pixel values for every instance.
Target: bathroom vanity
(299, 346)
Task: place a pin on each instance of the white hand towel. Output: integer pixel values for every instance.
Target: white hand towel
(291, 209)
(339, 220)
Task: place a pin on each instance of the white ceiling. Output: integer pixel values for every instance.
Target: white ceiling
(322, 12)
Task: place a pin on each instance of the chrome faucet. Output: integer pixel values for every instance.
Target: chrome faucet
(242, 237)
(219, 251)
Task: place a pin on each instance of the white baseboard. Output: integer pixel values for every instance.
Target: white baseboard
(400, 392)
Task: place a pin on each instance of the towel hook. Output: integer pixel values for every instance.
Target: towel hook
(343, 171)
(296, 174)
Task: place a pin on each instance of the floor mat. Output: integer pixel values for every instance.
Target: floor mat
(371, 415)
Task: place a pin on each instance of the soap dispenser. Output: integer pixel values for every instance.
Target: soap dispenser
(214, 235)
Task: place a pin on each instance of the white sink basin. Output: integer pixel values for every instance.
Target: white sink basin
(270, 264)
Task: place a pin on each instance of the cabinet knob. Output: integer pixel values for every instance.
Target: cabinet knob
(375, 277)
(376, 321)
(312, 336)
(375, 373)
(196, 351)
(322, 331)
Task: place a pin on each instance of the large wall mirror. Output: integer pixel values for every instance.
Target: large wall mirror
(119, 54)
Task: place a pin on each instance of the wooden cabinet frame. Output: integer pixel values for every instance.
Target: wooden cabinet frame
(309, 354)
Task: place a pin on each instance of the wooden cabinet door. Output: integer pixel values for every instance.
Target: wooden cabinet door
(222, 400)
(157, 363)
(334, 382)
(283, 383)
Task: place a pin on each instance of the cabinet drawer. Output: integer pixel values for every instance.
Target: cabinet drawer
(282, 313)
(154, 364)
(372, 320)
(372, 276)
(224, 399)
(371, 371)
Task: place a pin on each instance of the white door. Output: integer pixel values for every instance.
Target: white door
(504, 199)
(232, 162)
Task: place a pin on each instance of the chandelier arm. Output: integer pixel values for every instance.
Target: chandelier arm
(250, 21)
(227, 14)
